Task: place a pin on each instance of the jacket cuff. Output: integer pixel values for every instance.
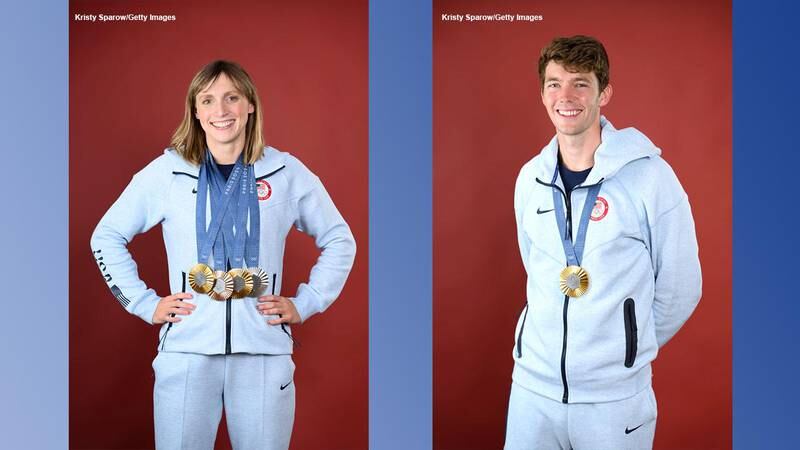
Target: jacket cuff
(306, 302)
(146, 306)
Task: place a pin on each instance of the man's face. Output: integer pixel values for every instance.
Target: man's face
(223, 112)
(573, 99)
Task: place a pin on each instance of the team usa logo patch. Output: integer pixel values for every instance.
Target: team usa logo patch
(600, 209)
(264, 190)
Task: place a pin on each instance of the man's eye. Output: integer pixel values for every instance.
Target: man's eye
(552, 85)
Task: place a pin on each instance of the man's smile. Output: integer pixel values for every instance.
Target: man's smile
(568, 112)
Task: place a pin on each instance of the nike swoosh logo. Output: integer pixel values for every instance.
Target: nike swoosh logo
(194, 191)
(287, 384)
(631, 430)
(539, 210)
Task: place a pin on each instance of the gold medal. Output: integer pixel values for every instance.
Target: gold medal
(242, 282)
(201, 278)
(260, 282)
(574, 281)
(223, 287)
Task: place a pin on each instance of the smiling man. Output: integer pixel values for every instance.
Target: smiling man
(607, 240)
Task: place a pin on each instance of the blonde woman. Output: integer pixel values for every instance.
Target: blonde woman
(226, 204)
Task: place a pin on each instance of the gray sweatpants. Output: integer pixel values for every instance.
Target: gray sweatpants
(257, 392)
(536, 422)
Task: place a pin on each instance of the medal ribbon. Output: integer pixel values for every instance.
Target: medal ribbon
(247, 241)
(254, 233)
(221, 195)
(237, 239)
(573, 251)
(225, 247)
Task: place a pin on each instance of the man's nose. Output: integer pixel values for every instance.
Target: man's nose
(567, 92)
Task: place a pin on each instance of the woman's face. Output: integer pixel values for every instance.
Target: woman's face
(223, 112)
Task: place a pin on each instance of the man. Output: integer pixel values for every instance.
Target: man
(607, 240)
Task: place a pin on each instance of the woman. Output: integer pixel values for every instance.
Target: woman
(226, 204)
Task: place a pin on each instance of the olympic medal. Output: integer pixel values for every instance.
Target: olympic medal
(242, 282)
(260, 282)
(223, 287)
(574, 281)
(201, 278)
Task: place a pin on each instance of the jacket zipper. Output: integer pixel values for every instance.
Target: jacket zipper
(565, 397)
(521, 328)
(568, 205)
(228, 321)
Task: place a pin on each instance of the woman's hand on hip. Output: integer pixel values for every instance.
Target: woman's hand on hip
(273, 305)
(172, 306)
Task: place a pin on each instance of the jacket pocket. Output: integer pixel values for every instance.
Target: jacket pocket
(521, 329)
(631, 332)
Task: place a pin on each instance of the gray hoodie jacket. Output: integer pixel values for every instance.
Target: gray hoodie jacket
(164, 193)
(642, 258)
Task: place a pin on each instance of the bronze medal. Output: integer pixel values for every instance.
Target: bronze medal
(574, 281)
(201, 278)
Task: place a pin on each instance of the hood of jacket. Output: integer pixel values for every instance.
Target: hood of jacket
(617, 148)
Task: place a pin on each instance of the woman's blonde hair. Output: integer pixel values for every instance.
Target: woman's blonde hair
(190, 139)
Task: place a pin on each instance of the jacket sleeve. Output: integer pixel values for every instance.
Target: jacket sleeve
(137, 209)
(319, 218)
(521, 192)
(678, 282)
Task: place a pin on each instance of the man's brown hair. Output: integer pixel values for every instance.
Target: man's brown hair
(576, 54)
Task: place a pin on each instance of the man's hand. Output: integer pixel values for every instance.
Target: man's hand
(271, 305)
(172, 306)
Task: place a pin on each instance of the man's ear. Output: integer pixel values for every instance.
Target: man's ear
(605, 96)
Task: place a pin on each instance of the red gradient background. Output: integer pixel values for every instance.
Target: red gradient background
(671, 73)
(127, 87)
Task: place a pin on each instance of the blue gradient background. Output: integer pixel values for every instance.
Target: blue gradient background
(33, 379)
(400, 222)
(766, 310)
